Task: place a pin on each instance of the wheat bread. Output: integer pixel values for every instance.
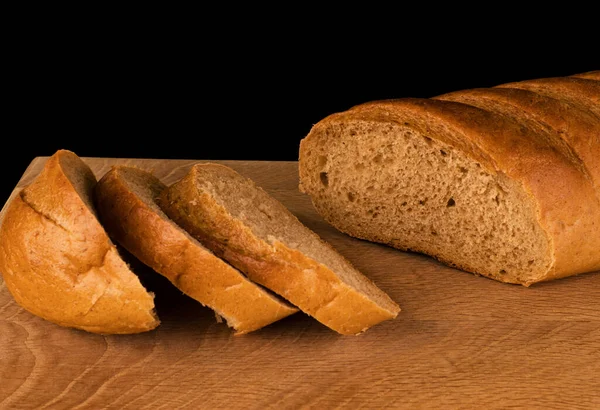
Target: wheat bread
(125, 199)
(480, 187)
(58, 262)
(244, 224)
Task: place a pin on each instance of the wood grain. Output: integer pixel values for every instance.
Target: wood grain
(460, 342)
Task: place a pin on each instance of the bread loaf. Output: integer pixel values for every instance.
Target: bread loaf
(125, 198)
(246, 226)
(502, 182)
(58, 262)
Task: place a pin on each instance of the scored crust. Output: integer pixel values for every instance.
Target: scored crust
(582, 92)
(589, 75)
(58, 262)
(574, 132)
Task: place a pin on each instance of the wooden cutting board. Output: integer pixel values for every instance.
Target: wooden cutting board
(460, 341)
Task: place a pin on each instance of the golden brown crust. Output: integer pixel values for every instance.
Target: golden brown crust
(572, 131)
(582, 92)
(58, 262)
(567, 203)
(159, 243)
(313, 287)
(590, 75)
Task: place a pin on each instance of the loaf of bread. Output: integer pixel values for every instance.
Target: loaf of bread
(245, 225)
(125, 199)
(58, 262)
(501, 182)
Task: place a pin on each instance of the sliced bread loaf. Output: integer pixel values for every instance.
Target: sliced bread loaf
(245, 225)
(125, 198)
(486, 185)
(58, 262)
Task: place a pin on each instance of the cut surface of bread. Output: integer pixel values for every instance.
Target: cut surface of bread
(125, 198)
(58, 262)
(486, 181)
(245, 225)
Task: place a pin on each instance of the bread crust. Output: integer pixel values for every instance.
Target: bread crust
(309, 285)
(590, 75)
(567, 203)
(162, 245)
(58, 262)
(569, 129)
(578, 91)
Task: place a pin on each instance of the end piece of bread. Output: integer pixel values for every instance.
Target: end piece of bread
(252, 230)
(502, 183)
(58, 262)
(125, 198)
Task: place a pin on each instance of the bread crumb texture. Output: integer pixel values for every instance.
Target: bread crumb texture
(487, 183)
(253, 231)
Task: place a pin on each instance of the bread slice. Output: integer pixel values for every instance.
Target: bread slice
(125, 197)
(487, 188)
(245, 225)
(58, 262)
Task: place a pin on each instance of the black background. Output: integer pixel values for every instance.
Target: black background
(180, 92)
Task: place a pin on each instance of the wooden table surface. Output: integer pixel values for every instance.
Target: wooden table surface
(460, 341)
